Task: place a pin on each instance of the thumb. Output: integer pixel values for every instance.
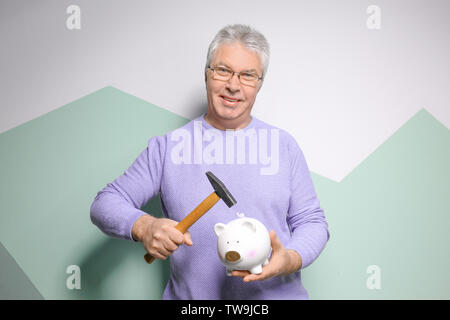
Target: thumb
(275, 241)
(187, 238)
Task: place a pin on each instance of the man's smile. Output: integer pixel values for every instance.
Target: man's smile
(229, 101)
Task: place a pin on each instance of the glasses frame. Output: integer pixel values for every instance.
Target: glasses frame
(232, 75)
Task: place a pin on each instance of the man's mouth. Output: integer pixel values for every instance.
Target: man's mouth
(229, 101)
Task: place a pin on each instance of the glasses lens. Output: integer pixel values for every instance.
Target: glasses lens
(249, 78)
(222, 73)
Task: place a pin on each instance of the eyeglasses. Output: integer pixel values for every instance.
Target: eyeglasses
(224, 74)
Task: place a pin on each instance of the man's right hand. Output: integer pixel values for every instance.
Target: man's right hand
(159, 236)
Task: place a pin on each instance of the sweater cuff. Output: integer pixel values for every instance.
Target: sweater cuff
(309, 245)
(303, 253)
(131, 219)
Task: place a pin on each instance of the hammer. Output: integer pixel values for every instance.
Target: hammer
(220, 192)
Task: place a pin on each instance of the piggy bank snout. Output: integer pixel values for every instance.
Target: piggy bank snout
(232, 256)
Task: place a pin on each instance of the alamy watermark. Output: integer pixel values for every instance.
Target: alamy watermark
(374, 20)
(263, 147)
(373, 282)
(74, 280)
(73, 21)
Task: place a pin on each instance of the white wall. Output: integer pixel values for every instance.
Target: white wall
(339, 87)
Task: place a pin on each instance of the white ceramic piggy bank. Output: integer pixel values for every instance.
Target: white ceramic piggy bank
(243, 244)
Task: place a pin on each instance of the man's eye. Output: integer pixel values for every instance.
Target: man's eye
(248, 76)
(223, 70)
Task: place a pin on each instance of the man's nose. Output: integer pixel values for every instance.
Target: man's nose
(234, 84)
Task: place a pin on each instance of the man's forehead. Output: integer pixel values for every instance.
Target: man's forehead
(237, 57)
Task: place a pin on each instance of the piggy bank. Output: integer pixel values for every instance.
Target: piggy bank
(243, 244)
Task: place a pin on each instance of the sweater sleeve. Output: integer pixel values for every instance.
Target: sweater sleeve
(305, 216)
(117, 206)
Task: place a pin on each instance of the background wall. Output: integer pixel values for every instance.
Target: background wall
(362, 85)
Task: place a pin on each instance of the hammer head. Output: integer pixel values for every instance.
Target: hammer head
(221, 190)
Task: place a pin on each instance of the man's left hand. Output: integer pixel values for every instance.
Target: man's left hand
(282, 262)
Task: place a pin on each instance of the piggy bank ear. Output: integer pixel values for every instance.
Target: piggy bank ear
(249, 225)
(218, 228)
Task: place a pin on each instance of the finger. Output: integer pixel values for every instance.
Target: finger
(161, 242)
(253, 277)
(240, 273)
(165, 252)
(157, 254)
(170, 246)
(187, 238)
(174, 235)
(158, 250)
(258, 277)
(275, 241)
(268, 271)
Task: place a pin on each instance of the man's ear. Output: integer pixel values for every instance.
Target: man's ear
(260, 85)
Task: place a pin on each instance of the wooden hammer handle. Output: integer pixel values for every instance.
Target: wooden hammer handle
(191, 218)
(200, 210)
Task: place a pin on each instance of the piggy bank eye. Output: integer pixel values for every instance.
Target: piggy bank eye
(237, 241)
(228, 242)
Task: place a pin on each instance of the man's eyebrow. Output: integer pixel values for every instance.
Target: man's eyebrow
(227, 66)
(223, 65)
(250, 70)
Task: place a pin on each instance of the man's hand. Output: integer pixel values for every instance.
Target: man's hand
(159, 236)
(282, 262)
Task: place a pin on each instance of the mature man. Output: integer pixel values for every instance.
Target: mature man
(234, 145)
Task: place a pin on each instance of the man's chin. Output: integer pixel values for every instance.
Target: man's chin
(228, 113)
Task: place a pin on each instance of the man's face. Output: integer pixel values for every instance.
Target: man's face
(230, 102)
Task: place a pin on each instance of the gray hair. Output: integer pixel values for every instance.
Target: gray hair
(246, 35)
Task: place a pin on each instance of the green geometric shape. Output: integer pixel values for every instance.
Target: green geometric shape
(392, 211)
(52, 168)
(14, 283)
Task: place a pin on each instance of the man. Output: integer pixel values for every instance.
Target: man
(270, 181)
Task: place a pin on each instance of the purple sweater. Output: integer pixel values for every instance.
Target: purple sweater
(264, 169)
